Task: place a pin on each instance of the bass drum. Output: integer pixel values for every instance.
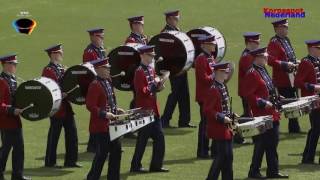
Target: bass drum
(78, 76)
(177, 51)
(124, 58)
(194, 34)
(45, 95)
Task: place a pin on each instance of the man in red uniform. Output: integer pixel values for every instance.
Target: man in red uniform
(259, 90)
(10, 123)
(102, 104)
(204, 79)
(218, 113)
(63, 118)
(252, 41)
(283, 62)
(308, 80)
(146, 88)
(137, 32)
(94, 51)
(179, 84)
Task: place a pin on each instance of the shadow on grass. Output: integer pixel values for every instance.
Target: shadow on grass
(84, 156)
(45, 172)
(299, 167)
(178, 131)
(288, 136)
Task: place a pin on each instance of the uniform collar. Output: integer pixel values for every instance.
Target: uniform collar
(136, 35)
(313, 58)
(258, 66)
(144, 66)
(219, 83)
(95, 47)
(172, 27)
(6, 75)
(206, 53)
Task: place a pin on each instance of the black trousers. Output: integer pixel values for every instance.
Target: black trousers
(203, 141)
(223, 161)
(290, 92)
(12, 139)
(313, 137)
(268, 143)
(91, 144)
(246, 109)
(71, 140)
(179, 95)
(155, 132)
(105, 147)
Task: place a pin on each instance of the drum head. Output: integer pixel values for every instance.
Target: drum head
(81, 75)
(177, 51)
(41, 96)
(124, 58)
(221, 42)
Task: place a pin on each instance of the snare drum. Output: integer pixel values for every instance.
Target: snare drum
(141, 118)
(300, 107)
(177, 51)
(81, 75)
(221, 47)
(124, 58)
(44, 93)
(257, 126)
(118, 129)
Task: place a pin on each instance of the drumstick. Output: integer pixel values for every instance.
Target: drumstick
(122, 73)
(28, 107)
(71, 90)
(132, 110)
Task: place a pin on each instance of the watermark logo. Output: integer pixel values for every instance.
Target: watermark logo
(284, 13)
(24, 24)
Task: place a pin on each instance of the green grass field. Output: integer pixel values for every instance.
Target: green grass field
(66, 22)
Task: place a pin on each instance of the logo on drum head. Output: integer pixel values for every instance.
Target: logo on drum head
(32, 87)
(24, 25)
(79, 72)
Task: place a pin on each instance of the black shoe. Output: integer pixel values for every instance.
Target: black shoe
(138, 170)
(2, 177)
(20, 178)
(50, 165)
(257, 175)
(73, 165)
(278, 176)
(187, 126)
(159, 170)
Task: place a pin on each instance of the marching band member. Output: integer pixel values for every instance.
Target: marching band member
(218, 113)
(308, 80)
(136, 36)
(102, 104)
(179, 84)
(252, 41)
(137, 32)
(146, 88)
(259, 89)
(283, 62)
(10, 122)
(204, 79)
(95, 50)
(63, 118)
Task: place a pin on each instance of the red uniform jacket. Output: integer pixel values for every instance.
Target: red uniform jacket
(245, 63)
(97, 103)
(307, 76)
(7, 119)
(204, 75)
(145, 89)
(51, 71)
(278, 61)
(136, 38)
(257, 94)
(216, 128)
(92, 53)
